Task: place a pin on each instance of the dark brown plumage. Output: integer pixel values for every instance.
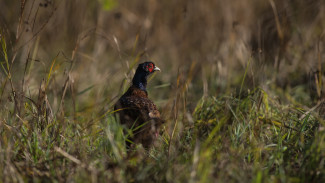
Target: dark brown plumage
(137, 111)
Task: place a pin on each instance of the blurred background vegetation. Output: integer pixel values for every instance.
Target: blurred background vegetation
(227, 67)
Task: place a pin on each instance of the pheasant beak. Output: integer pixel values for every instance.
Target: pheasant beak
(156, 68)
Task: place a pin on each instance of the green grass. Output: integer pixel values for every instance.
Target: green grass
(250, 139)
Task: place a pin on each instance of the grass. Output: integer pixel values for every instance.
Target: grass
(241, 90)
(230, 139)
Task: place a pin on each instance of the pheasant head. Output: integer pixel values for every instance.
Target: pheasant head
(143, 71)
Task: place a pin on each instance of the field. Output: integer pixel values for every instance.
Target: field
(241, 90)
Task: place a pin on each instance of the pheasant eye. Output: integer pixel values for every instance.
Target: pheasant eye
(150, 67)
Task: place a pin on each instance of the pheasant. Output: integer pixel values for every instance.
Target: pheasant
(137, 111)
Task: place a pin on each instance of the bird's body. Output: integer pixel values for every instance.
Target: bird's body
(137, 111)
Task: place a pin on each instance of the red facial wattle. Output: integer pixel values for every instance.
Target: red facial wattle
(150, 67)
